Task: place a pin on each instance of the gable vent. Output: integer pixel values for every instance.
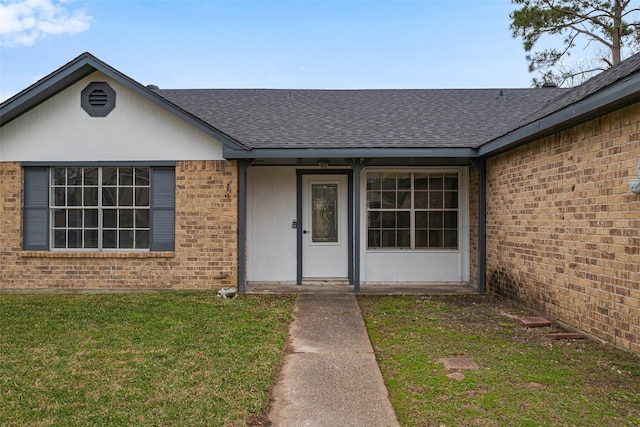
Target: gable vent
(98, 98)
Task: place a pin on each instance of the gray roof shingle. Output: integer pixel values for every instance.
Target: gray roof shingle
(422, 118)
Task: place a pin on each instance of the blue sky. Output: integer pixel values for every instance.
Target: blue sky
(268, 44)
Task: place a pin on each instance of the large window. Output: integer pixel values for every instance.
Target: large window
(100, 208)
(412, 210)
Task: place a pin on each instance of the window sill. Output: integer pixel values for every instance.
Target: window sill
(45, 254)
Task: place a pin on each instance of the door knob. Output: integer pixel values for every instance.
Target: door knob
(304, 231)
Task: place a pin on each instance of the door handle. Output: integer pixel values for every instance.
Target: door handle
(304, 231)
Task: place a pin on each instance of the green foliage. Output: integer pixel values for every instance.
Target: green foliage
(607, 27)
(138, 359)
(524, 379)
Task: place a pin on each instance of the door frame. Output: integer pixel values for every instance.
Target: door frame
(299, 218)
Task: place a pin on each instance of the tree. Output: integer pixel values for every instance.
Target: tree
(610, 29)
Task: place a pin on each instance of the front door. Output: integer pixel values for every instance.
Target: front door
(325, 240)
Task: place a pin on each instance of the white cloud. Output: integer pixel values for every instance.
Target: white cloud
(23, 22)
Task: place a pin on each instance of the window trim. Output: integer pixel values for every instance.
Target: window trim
(462, 210)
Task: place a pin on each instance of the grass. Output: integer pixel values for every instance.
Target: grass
(524, 378)
(138, 359)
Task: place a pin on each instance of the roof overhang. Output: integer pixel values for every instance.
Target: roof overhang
(348, 153)
(610, 98)
(81, 67)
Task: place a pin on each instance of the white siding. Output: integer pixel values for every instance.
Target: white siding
(271, 208)
(421, 266)
(137, 129)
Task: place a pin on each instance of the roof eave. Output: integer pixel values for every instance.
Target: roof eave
(610, 98)
(342, 153)
(83, 66)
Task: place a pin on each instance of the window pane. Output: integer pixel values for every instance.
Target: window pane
(421, 200)
(60, 239)
(91, 239)
(59, 218)
(126, 239)
(435, 220)
(451, 182)
(109, 176)
(436, 183)
(59, 176)
(404, 219)
(109, 218)
(91, 196)
(91, 218)
(74, 176)
(404, 239)
(373, 219)
(388, 199)
(109, 196)
(126, 218)
(373, 199)
(374, 239)
(450, 239)
(404, 199)
(373, 181)
(142, 218)
(142, 196)
(388, 238)
(421, 238)
(389, 181)
(74, 196)
(450, 219)
(451, 200)
(75, 217)
(74, 239)
(142, 176)
(388, 220)
(125, 196)
(436, 200)
(125, 176)
(142, 239)
(435, 238)
(109, 239)
(59, 196)
(420, 182)
(91, 176)
(404, 182)
(421, 219)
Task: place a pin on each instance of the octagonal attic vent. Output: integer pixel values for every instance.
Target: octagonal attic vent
(98, 99)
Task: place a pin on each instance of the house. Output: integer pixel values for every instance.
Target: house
(107, 183)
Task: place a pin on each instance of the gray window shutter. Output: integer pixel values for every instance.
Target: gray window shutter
(163, 210)
(35, 229)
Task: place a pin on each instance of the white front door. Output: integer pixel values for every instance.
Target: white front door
(325, 240)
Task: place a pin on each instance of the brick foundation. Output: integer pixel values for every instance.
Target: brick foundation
(206, 240)
(563, 229)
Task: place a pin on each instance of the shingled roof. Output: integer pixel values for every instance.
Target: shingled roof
(429, 118)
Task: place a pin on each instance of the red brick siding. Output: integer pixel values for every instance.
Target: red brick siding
(563, 229)
(206, 240)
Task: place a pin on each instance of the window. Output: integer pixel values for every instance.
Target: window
(412, 210)
(99, 208)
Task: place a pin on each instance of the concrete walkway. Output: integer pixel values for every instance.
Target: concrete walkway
(330, 376)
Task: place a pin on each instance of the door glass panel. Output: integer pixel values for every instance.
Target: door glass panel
(324, 215)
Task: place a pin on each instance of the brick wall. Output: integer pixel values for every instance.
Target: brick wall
(473, 226)
(206, 240)
(563, 229)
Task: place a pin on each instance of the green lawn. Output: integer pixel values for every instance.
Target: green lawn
(138, 359)
(524, 378)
